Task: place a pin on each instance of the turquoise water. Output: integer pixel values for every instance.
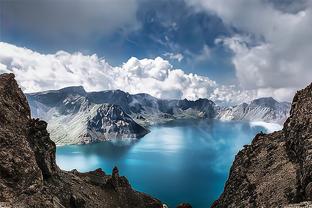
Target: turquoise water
(185, 161)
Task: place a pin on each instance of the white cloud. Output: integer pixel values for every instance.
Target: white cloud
(204, 54)
(275, 59)
(39, 72)
(174, 56)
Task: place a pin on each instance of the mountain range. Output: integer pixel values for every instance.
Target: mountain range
(78, 117)
(273, 171)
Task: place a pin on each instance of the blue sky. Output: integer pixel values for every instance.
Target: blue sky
(233, 42)
(163, 27)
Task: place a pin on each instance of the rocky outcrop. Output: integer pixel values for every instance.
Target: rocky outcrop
(261, 109)
(29, 176)
(76, 117)
(75, 108)
(110, 122)
(275, 170)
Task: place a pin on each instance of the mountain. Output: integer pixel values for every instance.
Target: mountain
(275, 169)
(263, 109)
(29, 176)
(76, 117)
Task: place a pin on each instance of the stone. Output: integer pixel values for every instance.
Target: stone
(29, 175)
(276, 169)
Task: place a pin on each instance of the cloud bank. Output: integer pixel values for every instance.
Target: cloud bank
(39, 72)
(272, 54)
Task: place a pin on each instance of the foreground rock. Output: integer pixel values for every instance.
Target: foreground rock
(276, 169)
(29, 176)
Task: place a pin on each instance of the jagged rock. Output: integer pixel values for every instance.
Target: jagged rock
(275, 170)
(29, 176)
(114, 114)
(262, 109)
(108, 115)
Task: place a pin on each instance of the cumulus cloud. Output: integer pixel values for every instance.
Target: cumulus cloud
(273, 54)
(39, 72)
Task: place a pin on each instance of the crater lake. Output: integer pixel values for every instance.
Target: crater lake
(181, 161)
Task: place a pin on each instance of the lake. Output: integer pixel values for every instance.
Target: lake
(182, 161)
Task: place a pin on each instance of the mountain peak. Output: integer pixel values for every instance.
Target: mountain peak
(264, 100)
(74, 90)
(11, 94)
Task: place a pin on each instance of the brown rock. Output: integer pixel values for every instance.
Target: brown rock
(276, 169)
(29, 176)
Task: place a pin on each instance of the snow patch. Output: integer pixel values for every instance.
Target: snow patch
(270, 127)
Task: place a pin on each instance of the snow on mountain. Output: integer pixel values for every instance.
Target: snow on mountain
(73, 119)
(262, 109)
(77, 116)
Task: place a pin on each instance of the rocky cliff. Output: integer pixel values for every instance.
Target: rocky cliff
(75, 109)
(275, 170)
(29, 176)
(75, 119)
(262, 109)
(76, 116)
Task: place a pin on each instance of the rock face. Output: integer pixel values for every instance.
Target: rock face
(276, 169)
(29, 176)
(91, 116)
(76, 117)
(262, 109)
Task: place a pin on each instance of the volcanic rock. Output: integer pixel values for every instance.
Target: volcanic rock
(275, 170)
(29, 176)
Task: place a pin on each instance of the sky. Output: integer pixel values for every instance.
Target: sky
(230, 51)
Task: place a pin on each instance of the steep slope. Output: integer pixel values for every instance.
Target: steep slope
(75, 107)
(262, 109)
(29, 176)
(73, 119)
(275, 170)
(108, 115)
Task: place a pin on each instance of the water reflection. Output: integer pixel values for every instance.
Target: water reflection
(180, 161)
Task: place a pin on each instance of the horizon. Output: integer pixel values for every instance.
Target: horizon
(80, 86)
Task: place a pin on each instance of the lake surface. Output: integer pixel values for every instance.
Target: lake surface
(183, 161)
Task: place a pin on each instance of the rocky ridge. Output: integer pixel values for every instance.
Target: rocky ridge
(29, 176)
(108, 115)
(91, 116)
(74, 119)
(265, 109)
(275, 170)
